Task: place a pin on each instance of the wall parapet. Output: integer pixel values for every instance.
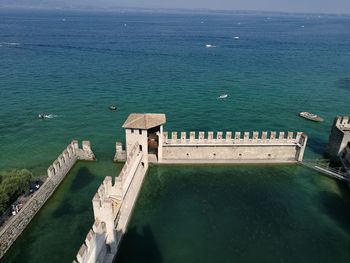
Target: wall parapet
(218, 138)
(229, 147)
(120, 154)
(343, 123)
(112, 206)
(56, 173)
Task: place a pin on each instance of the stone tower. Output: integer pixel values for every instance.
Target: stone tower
(339, 137)
(146, 129)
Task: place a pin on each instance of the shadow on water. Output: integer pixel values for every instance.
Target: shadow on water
(65, 208)
(344, 83)
(316, 145)
(337, 207)
(82, 179)
(139, 246)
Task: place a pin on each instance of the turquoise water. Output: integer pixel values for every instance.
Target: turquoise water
(75, 64)
(238, 214)
(158, 63)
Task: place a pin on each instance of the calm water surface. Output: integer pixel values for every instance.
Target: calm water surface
(238, 214)
(74, 65)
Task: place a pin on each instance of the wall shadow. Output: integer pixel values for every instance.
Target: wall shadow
(337, 207)
(139, 246)
(82, 179)
(316, 146)
(65, 208)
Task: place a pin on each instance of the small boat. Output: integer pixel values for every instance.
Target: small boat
(112, 107)
(222, 96)
(235, 37)
(209, 46)
(44, 116)
(310, 116)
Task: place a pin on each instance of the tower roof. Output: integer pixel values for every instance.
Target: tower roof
(144, 121)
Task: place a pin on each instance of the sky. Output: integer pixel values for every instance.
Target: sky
(302, 6)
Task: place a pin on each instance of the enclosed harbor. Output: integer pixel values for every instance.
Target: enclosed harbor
(273, 213)
(303, 216)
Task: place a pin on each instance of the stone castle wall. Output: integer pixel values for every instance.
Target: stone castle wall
(56, 173)
(345, 158)
(339, 136)
(113, 205)
(233, 147)
(347, 154)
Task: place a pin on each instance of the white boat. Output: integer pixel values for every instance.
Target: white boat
(235, 37)
(45, 116)
(310, 116)
(209, 46)
(222, 96)
(112, 107)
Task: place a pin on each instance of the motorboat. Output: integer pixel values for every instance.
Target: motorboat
(310, 116)
(209, 46)
(222, 96)
(45, 116)
(112, 107)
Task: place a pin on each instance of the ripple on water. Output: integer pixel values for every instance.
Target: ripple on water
(344, 83)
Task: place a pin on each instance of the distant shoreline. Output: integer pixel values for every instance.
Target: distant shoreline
(5, 8)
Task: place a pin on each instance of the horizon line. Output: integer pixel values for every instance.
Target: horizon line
(162, 9)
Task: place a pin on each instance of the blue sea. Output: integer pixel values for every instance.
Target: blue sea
(74, 64)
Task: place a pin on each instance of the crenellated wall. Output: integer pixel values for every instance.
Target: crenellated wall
(112, 205)
(56, 173)
(94, 248)
(233, 147)
(120, 154)
(343, 122)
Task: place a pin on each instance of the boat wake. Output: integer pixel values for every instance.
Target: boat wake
(9, 44)
(47, 116)
(51, 116)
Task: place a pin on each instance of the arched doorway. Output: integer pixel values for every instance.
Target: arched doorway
(153, 140)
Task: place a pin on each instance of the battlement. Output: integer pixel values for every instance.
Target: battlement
(112, 205)
(343, 123)
(228, 137)
(108, 191)
(93, 244)
(120, 154)
(64, 160)
(229, 147)
(69, 156)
